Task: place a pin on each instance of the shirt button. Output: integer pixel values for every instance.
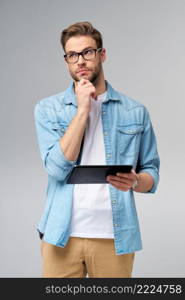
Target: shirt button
(104, 112)
(108, 155)
(105, 133)
(114, 201)
(115, 225)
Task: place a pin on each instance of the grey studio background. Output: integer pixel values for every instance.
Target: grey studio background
(145, 42)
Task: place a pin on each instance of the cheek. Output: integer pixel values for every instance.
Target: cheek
(97, 67)
(71, 69)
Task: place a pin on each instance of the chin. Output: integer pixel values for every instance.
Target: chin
(85, 77)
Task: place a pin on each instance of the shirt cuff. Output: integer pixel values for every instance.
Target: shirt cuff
(58, 156)
(155, 178)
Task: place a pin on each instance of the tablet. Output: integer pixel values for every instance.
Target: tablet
(95, 173)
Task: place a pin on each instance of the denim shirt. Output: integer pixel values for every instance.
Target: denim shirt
(128, 138)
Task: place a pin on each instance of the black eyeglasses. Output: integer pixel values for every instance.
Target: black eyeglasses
(87, 54)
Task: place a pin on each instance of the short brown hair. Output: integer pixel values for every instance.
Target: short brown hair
(81, 28)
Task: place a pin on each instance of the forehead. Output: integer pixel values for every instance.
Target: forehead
(78, 43)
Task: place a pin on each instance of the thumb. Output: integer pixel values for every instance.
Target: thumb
(137, 176)
(133, 171)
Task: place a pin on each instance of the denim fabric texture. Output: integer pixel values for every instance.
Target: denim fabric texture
(129, 138)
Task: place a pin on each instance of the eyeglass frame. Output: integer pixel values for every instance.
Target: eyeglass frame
(82, 54)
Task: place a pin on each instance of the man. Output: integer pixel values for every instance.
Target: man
(92, 228)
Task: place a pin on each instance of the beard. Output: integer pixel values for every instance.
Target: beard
(93, 77)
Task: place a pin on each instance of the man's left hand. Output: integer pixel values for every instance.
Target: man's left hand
(123, 181)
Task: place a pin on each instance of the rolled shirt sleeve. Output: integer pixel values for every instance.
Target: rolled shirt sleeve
(53, 158)
(148, 160)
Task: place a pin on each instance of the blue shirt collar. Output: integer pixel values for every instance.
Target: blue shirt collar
(70, 96)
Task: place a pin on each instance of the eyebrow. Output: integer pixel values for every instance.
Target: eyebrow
(79, 51)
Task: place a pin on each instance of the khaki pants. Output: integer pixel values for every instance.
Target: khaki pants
(81, 256)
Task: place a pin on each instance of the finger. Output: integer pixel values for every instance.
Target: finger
(120, 179)
(84, 81)
(133, 171)
(119, 186)
(93, 95)
(87, 85)
(126, 175)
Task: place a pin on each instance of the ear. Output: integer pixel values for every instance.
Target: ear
(103, 55)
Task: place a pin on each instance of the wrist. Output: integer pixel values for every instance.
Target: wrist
(82, 113)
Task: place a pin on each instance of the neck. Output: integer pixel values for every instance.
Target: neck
(100, 85)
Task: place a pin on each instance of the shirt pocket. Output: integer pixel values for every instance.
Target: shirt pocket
(129, 137)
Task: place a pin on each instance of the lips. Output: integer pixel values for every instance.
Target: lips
(82, 71)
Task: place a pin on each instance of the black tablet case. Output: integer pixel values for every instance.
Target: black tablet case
(95, 173)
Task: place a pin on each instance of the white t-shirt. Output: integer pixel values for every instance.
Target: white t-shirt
(92, 211)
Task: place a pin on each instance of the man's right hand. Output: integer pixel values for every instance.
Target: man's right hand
(84, 91)
(71, 140)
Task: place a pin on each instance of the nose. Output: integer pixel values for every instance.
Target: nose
(81, 60)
